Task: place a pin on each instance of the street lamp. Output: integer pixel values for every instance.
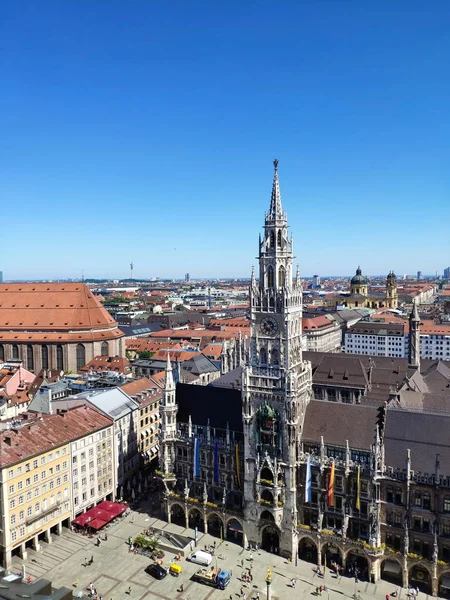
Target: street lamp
(268, 582)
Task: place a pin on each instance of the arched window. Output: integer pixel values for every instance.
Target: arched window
(105, 349)
(15, 351)
(44, 351)
(30, 357)
(272, 302)
(59, 358)
(2, 352)
(281, 277)
(81, 356)
(272, 239)
(270, 277)
(275, 359)
(279, 238)
(263, 356)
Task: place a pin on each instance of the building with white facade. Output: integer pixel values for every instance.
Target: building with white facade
(393, 339)
(93, 476)
(124, 411)
(322, 334)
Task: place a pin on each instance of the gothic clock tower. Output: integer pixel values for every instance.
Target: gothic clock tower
(276, 389)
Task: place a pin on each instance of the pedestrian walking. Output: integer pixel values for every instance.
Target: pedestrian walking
(251, 557)
(293, 582)
(92, 559)
(257, 595)
(129, 590)
(75, 583)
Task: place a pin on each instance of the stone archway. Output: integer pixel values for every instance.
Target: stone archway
(444, 585)
(215, 525)
(177, 515)
(266, 475)
(270, 539)
(332, 554)
(419, 576)
(235, 531)
(195, 518)
(267, 496)
(391, 570)
(307, 550)
(357, 565)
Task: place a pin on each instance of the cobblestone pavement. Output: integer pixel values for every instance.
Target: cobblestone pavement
(119, 574)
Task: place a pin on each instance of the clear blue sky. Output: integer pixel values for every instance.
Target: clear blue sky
(146, 130)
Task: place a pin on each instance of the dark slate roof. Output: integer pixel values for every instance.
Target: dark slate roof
(206, 402)
(141, 329)
(232, 380)
(199, 364)
(338, 422)
(374, 328)
(424, 434)
(341, 370)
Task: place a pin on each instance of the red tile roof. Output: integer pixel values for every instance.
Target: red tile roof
(34, 311)
(49, 431)
(118, 364)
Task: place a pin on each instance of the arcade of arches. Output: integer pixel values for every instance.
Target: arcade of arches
(352, 559)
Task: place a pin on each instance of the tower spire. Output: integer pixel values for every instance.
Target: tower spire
(169, 384)
(276, 210)
(414, 337)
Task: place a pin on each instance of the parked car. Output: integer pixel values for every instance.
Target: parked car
(201, 558)
(156, 571)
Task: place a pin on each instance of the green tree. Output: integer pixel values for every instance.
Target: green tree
(146, 354)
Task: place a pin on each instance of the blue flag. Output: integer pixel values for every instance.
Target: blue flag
(308, 481)
(196, 457)
(216, 463)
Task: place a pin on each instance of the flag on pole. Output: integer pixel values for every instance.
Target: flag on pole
(308, 481)
(331, 486)
(196, 457)
(238, 475)
(358, 489)
(216, 463)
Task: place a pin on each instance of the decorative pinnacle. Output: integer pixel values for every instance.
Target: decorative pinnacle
(276, 210)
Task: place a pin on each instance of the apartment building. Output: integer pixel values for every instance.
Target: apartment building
(35, 477)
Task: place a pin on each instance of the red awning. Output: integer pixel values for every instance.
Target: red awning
(105, 511)
(106, 505)
(82, 519)
(98, 513)
(96, 524)
(117, 509)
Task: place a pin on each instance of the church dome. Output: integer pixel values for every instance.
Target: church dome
(358, 279)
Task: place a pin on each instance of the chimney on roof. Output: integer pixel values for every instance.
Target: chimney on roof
(8, 440)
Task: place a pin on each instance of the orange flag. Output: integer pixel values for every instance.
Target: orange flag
(331, 487)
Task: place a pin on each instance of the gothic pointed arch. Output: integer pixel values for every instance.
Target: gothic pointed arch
(281, 276)
(60, 358)
(279, 238)
(270, 277)
(272, 239)
(81, 356)
(44, 354)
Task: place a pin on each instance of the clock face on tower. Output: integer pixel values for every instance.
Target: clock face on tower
(269, 326)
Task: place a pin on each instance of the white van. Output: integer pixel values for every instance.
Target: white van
(201, 558)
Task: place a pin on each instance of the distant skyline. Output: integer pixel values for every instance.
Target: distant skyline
(146, 131)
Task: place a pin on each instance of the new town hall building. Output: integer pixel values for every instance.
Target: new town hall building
(332, 458)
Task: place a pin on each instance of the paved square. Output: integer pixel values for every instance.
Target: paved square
(119, 574)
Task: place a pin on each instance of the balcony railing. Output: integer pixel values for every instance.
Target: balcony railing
(43, 513)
